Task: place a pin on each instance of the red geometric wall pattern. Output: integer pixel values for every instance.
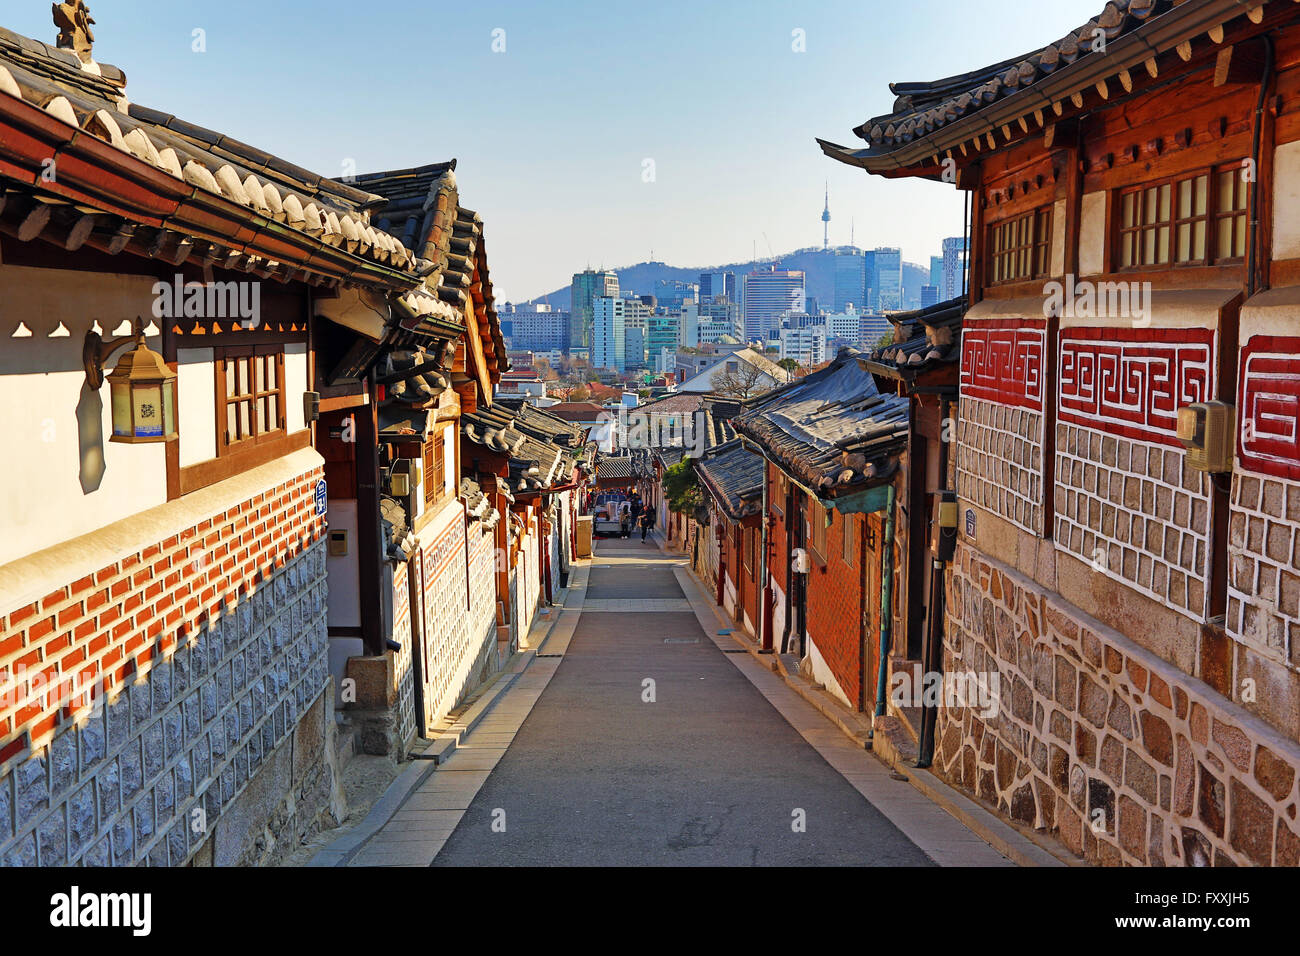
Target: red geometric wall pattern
(1002, 361)
(1131, 382)
(1268, 400)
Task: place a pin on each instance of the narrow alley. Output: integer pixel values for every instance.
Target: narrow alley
(648, 736)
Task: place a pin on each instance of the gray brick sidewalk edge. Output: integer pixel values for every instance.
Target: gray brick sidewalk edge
(439, 749)
(1019, 847)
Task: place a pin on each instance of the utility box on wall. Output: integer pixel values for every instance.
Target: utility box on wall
(1207, 430)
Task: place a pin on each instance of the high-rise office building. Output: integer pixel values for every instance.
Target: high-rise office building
(587, 287)
(870, 299)
(954, 268)
(769, 293)
(634, 348)
(936, 272)
(673, 293)
(929, 295)
(850, 279)
(535, 328)
(807, 346)
(714, 284)
(663, 331)
(889, 279)
(608, 332)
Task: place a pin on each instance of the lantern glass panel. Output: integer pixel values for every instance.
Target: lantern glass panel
(120, 400)
(169, 408)
(146, 401)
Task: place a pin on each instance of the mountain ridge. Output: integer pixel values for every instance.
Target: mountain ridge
(816, 264)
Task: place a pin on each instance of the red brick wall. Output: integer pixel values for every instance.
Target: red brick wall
(96, 633)
(834, 607)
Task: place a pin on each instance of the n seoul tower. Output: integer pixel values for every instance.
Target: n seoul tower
(826, 218)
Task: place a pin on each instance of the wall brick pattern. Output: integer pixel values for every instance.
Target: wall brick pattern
(1134, 511)
(1000, 461)
(1264, 566)
(148, 777)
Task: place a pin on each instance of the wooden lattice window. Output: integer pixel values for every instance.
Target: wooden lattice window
(250, 395)
(1195, 219)
(435, 470)
(817, 530)
(1020, 247)
(848, 543)
(1230, 213)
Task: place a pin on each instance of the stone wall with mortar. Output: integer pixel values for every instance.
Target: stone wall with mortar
(1263, 613)
(458, 612)
(1122, 756)
(222, 754)
(1000, 460)
(1134, 510)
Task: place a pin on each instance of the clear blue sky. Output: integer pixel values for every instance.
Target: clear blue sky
(552, 134)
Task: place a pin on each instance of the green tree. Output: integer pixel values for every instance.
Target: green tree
(681, 488)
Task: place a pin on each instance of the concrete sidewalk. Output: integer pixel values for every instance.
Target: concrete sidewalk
(571, 765)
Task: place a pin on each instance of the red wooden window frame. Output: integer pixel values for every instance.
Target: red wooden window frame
(257, 402)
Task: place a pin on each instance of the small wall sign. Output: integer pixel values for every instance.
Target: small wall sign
(322, 501)
(970, 523)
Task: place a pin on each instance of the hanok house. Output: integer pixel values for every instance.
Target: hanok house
(531, 466)
(832, 441)
(413, 550)
(164, 683)
(921, 364)
(1126, 460)
(732, 476)
(664, 433)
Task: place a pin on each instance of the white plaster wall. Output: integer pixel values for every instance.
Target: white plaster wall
(1286, 201)
(196, 418)
(295, 383)
(1092, 233)
(1057, 266)
(62, 476)
(343, 574)
(823, 675)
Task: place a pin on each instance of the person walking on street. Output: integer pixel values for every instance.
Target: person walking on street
(625, 519)
(647, 522)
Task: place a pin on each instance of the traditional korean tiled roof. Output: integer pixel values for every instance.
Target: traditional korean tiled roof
(546, 426)
(614, 467)
(832, 430)
(984, 108)
(535, 463)
(667, 456)
(399, 542)
(422, 210)
(673, 404)
(231, 204)
(733, 475)
(477, 505)
(577, 411)
(402, 423)
(923, 339)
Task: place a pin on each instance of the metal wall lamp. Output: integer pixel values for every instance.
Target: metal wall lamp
(142, 389)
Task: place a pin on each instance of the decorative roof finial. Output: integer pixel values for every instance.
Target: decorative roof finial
(73, 20)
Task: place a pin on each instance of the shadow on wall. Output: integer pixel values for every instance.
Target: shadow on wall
(90, 439)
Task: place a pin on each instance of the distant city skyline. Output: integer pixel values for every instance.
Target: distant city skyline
(703, 150)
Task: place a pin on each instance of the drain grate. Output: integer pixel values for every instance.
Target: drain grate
(681, 640)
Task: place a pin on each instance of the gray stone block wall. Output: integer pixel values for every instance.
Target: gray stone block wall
(155, 776)
(999, 461)
(1135, 511)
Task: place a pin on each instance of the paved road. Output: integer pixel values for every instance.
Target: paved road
(709, 773)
